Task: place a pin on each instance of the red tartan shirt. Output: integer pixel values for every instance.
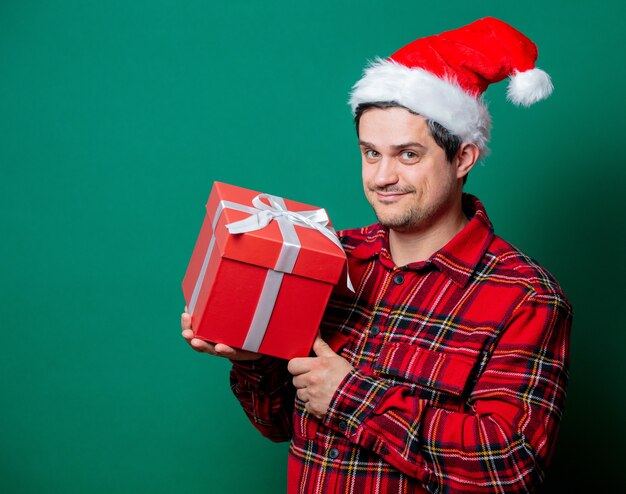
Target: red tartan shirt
(460, 372)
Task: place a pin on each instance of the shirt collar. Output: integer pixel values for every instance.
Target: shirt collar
(457, 259)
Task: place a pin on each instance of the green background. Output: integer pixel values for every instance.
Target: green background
(115, 119)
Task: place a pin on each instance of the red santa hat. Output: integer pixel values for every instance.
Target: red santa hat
(443, 77)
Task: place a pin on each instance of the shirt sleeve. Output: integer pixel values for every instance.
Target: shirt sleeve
(264, 389)
(502, 441)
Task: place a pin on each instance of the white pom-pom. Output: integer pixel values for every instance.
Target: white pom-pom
(528, 87)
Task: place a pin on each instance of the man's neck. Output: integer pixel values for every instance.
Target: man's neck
(419, 245)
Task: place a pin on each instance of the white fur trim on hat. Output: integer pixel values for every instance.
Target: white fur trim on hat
(422, 92)
(528, 87)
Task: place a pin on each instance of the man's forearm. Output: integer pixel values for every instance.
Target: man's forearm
(264, 389)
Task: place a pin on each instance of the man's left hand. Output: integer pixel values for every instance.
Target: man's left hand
(317, 378)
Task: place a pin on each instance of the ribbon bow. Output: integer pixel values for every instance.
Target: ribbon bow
(276, 210)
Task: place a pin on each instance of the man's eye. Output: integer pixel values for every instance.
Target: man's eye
(371, 154)
(409, 155)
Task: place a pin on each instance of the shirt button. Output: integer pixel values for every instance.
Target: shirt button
(333, 453)
(398, 279)
(343, 425)
(374, 330)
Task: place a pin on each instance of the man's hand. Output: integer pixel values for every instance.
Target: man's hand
(317, 378)
(218, 349)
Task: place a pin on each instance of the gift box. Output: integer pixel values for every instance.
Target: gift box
(261, 272)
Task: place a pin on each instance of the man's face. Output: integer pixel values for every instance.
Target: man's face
(406, 176)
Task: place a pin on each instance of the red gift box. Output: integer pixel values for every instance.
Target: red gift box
(266, 289)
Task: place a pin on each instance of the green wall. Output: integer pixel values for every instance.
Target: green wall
(115, 119)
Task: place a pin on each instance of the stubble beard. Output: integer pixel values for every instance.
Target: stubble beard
(414, 216)
(409, 219)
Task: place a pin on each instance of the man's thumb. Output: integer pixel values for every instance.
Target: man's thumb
(321, 348)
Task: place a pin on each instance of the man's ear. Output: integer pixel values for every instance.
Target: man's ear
(466, 158)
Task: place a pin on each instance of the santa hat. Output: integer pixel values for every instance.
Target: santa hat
(443, 77)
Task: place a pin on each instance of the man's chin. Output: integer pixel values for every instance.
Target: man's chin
(404, 228)
(397, 224)
(400, 220)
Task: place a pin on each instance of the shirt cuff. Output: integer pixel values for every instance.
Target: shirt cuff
(262, 362)
(264, 370)
(355, 399)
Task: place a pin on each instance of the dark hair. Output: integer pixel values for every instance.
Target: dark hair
(446, 140)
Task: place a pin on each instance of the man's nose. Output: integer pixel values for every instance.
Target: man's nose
(387, 172)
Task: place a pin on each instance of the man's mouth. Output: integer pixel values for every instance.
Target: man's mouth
(390, 195)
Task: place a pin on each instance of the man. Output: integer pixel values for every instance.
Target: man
(446, 370)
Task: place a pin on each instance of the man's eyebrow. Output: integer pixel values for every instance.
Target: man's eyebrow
(410, 144)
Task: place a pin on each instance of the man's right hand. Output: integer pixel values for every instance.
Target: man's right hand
(218, 349)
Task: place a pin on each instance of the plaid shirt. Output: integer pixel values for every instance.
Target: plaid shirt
(460, 373)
